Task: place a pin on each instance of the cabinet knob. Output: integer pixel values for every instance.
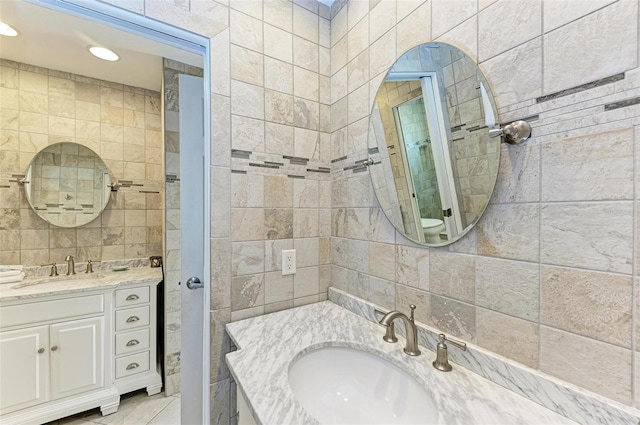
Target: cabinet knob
(132, 297)
(54, 348)
(41, 350)
(132, 366)
(133, 342)
(133, 319)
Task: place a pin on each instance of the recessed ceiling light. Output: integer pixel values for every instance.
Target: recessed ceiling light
(104, 53)
(8, 30)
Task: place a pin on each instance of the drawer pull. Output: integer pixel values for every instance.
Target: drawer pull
(132, 366)
(133, 342)
(41, 350)
(132, 297)
(54, 348)
(133, 319)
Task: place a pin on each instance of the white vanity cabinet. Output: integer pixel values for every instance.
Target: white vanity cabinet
(66, 355)
(24, 368)
(51, 350)
(75, 357)
(134, 349)
(61, 354)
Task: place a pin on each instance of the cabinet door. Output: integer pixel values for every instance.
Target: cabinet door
(76, 357)
(24, 368)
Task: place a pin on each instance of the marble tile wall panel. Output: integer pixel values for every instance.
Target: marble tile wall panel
(510, 287)
(510, 231)
(453, 275)
(446, 15)
(508, 336)
(593, 304)
(574, 363)
(522, 21)
(564, 240)
(568, 164)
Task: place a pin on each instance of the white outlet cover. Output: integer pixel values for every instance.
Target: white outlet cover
(288, 261)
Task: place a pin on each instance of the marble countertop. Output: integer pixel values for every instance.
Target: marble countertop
(268, 344)
(40, 286)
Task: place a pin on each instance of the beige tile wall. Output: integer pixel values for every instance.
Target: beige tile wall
(270, 96)
(41, 107)
(548, 276)
(492, 279)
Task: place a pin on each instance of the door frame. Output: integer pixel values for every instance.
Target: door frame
(413, 199)
(176, 37)
(443, 163)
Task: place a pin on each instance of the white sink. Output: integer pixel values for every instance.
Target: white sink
(80, 279)
(347, 386)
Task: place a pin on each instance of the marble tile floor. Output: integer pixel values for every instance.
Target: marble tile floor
(136, 408)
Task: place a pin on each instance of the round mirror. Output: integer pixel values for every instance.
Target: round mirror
(67, 184)
(434, 164)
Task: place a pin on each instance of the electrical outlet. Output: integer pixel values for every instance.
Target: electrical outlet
(288, 261)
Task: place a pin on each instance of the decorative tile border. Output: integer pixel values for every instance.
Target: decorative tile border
(582, 87)
(621, 104)
(273, 164)
(566, 399)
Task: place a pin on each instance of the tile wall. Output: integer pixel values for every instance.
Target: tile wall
(270, 104)
(548, 276)
(41, 107)
(562, 218)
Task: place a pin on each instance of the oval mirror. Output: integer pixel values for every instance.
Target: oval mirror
(433, 163)
(67, 184)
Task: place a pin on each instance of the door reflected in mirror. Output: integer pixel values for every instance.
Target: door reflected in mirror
(434, 164)
(67, 184)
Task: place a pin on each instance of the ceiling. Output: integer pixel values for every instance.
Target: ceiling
(59, 41)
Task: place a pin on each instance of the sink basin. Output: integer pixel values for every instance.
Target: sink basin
(346, 386)
(74, 280)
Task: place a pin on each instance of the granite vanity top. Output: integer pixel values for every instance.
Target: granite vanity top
(268, 344)
(39, 286)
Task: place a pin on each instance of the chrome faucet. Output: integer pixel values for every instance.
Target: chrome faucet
(411, 347)
(442, 358)
(71, 266)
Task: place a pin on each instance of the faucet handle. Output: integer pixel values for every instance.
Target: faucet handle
(89, 266)
(461, 345)
(54, 268)
(413, 308)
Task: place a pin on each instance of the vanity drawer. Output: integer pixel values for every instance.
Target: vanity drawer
(128, 342)
(132, 296)
(130, 365)
(23, 314)
(132, 318)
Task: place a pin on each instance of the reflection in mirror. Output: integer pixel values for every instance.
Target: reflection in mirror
(67, 184)
(434, 164)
